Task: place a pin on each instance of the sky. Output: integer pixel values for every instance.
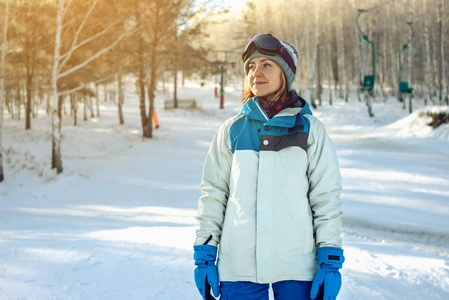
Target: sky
(233, 5)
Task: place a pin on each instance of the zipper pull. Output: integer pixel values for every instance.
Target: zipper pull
(208, 240)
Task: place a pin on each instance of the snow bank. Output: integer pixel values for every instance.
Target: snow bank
(119, 223)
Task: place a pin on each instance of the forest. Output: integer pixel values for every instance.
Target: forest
(59, 56)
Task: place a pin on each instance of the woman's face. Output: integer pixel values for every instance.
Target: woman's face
(264, 76)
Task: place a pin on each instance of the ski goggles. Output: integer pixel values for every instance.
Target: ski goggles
(268, 45)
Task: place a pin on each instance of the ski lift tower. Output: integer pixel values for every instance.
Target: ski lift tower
(222, 64)
(368, 80)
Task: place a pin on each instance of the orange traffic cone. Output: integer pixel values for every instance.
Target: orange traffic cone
(156, 120)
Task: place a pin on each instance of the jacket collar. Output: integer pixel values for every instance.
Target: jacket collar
(285, 118)
(253, 111)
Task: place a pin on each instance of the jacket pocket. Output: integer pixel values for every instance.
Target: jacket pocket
(309, 240)
(225, 241)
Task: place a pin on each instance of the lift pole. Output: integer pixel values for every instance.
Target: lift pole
(222, 70)
(368, 80)
(403, 87)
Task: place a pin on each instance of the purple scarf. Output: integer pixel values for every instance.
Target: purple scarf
(273, 108)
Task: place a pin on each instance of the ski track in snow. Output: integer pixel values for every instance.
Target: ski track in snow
(119, 222)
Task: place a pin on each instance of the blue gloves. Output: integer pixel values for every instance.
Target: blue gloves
(328, 279)
(206, 274)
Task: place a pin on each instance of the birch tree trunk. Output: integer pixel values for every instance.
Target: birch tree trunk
(84, 108)
(175, 86)
(175, 73)
(364, 50)
(319, 87)
(48, 106)
(342, 68)
(317, 41)
(120, 98)
(56, 162)
(340, 56)
(164, 15)
(410, 56)
(151, 89)
(74, 105)
(141, 80)
(2, 85)
(60, 60)
(97, 101)
(428, 55)
(30, 59)
(358, 56)
(394, 80)
(443, 80)
(384, 68)
(29, 98)
(91, 107)
(329, 55)
(18, 100)
(384, 78)
(363, 56)
(311, 60)
(105, 93)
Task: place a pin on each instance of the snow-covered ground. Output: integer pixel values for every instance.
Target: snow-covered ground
(119, 222)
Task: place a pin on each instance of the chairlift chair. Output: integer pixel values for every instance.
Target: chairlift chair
(368, 83)
(404, 88)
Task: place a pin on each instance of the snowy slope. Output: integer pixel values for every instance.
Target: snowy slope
(119, 222)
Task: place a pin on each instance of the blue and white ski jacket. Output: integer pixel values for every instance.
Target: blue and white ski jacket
(270, 195)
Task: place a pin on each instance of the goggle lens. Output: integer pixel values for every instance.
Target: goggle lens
(269, 45)
(265, 43)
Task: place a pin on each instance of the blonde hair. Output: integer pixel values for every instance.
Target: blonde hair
(280, 94)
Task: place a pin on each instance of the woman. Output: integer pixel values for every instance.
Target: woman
(270, 192)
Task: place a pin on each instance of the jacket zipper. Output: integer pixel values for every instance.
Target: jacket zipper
(262, 111)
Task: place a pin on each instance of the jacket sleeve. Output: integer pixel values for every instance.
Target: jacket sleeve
(324, 186)
(214, 188)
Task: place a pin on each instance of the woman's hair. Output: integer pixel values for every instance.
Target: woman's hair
(280, 94)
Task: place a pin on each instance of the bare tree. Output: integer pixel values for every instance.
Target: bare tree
(428, 53)
(158, 20)
(329, 54)
(410, 52)
(357, 55)
(312, 51)
(342, 66)
(2, 85)
(443, 81)
(121, 97)
(61, 60)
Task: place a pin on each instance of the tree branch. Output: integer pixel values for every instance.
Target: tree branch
(93, 57)
(64, 11)
(68, 54)
(84, 85)
(80, 28)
